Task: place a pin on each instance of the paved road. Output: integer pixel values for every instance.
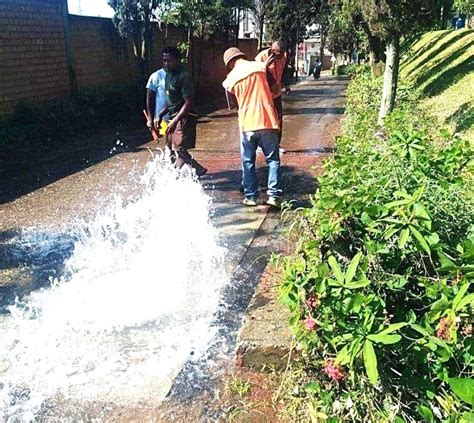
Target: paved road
(312, 118)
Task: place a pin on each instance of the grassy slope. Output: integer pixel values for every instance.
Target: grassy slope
(441, 67)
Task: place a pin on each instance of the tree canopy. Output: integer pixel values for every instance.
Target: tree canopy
(464, 6)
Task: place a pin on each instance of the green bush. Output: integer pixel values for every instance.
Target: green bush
(41, 126)
(348, 70)
(380, 289)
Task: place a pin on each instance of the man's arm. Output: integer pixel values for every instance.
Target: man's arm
(163, 112)
(271, 79)
(150, 106)
(187, 107)
(159, 118)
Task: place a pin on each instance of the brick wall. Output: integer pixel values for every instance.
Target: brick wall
(210, 67)
(33, 53)
(33, 63)
(101, 57)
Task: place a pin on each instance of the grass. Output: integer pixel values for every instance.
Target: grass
(239, 386)
(441, 68)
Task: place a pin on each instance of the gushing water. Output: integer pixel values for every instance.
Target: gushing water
(135, 298)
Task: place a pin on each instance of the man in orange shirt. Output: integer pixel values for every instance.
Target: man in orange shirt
(278, 69)
(258, 122)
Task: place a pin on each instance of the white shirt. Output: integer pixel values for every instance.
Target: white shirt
(156, 83)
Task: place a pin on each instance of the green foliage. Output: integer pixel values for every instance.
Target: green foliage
(40, 126)
(348, 70)
(381, 289)
(392, 18)
(464, 6)
(132, 18)
(463, 388)
(205, 18)
(239, 386)
(347, 30)
(287, 19)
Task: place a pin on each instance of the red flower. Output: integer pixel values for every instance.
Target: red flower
(467, 330)
(312, 301)
(333, 371)
(444, 328)
(310, 323)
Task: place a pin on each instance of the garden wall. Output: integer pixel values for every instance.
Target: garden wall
(33, 64)
(46, 53)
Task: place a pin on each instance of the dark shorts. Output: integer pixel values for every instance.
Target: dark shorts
(184, 136)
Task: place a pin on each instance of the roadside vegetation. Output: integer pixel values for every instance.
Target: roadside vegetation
(440, 66)
(381, 287)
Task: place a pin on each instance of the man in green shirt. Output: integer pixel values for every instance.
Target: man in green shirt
(181, 131)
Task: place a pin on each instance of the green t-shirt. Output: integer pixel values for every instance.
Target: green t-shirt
(179, 85)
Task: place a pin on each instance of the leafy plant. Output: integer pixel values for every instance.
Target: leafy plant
(381, 288)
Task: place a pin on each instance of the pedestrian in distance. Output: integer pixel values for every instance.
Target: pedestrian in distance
(248, 83)
(181, 130)
(317, 69)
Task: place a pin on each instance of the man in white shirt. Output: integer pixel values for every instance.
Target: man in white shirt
(156, 98)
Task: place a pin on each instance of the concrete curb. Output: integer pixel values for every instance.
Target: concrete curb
(265, 338)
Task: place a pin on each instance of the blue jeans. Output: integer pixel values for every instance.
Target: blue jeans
(267, 139)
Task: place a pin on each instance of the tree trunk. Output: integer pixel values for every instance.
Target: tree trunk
(390, 78)
(199, 64)
(446, 13)
(140, 62)
(261, 23)
(323, 42)
(189, 41)
(147, 45)
(375, 47)
(237, 27)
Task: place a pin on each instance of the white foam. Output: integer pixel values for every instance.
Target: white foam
(137, 295)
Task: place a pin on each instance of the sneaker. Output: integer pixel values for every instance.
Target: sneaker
(274, 202)
(250, 201)
(282, 151)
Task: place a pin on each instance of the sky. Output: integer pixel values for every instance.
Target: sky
(90, 8)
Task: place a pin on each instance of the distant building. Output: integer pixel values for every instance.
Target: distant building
(248, 27)
(308, 52)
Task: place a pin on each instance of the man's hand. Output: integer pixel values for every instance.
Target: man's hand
(271, 60)
(171, 126)
(157, 123)
(149, 124)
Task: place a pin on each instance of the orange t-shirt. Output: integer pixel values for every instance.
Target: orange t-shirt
(248, 82)
(276, 69)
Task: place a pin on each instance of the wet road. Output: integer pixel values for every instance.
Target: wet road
(312, 118)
